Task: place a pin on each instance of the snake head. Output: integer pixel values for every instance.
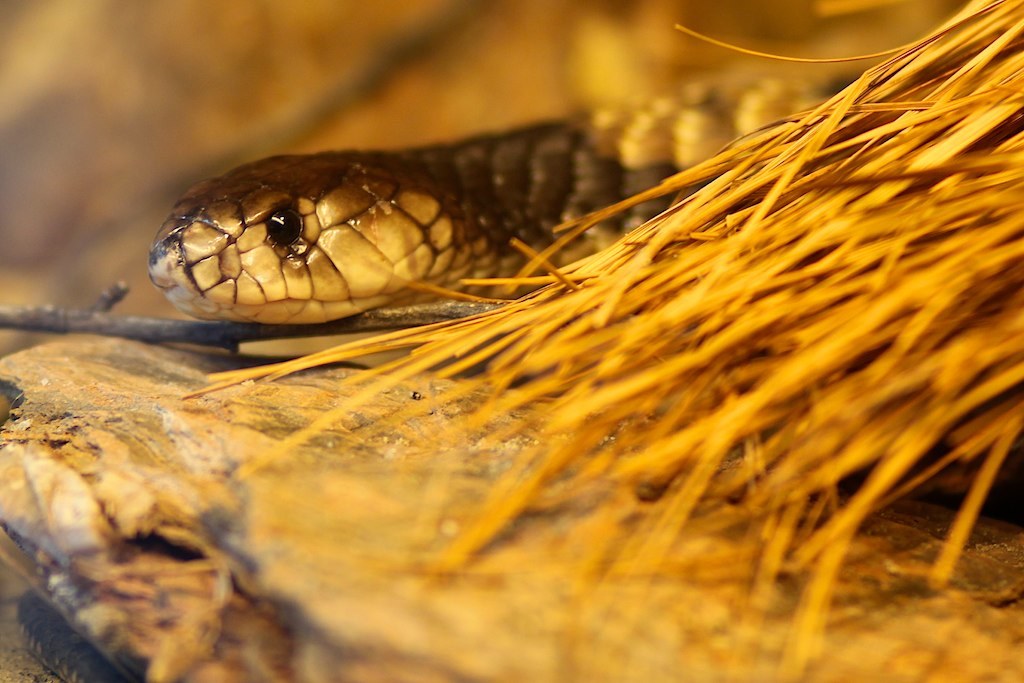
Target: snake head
(306, 239)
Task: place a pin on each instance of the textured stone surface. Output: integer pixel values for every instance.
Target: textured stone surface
(315, 565)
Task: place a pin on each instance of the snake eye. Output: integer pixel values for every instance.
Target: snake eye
(284, 227)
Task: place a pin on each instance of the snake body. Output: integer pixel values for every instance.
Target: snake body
(311, 238)
(60, 648)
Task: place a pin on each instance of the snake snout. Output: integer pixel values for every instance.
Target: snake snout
(165, 259)
(168, 272)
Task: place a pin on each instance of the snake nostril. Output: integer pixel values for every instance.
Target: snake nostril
(157, 254)
(165, 258)
(284, 227)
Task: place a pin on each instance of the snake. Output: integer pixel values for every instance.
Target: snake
(312, 238)
(60, 648)
(296, 239)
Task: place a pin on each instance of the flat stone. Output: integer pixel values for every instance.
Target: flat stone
(200, 538)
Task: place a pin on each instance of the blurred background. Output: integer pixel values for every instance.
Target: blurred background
(111, 108)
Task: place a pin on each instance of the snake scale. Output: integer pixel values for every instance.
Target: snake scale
(312, 238)
(60, 648)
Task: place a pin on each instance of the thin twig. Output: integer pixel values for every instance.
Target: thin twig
(223, 334)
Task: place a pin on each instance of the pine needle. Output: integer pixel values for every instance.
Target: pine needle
(843, 296)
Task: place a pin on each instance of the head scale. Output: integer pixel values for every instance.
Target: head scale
(304, 239)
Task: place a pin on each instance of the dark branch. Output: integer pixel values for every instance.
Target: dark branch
(223, 334)
(110, 297)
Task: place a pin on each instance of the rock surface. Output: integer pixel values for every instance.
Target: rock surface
(315, 564)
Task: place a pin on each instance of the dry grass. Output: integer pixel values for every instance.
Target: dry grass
(845, 295)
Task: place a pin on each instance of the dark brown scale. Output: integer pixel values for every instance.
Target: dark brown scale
(60, 648)
(639, 180)
(525, 182)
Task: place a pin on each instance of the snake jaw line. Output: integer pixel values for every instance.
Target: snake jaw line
(204, 290)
